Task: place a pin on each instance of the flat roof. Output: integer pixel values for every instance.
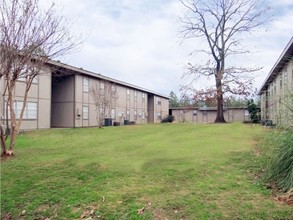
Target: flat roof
(100, 76)
(285, 56)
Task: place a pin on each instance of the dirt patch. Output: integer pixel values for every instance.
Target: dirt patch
(286, 198)
(43, 207)
(164, 213)
(5, 157)
(87, 212)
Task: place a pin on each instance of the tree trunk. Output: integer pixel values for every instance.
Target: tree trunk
(13, 136)
(220, 103)
(13, 133)
(2, 140)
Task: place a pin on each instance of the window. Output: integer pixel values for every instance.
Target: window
(135, 95)
(281, 81)
(159, 115)
(128, 93)
(194, 112)
(23, 79)
(85, 112)
(26, 70)
(127, 114)
(113, 113)
(17, 109)
(85, 85)
(143, 96)
(285, 78)
(135, 115)
(113, 88)
(246, 112)
(102, 88)
(30, 111)
(143, 115)
(101, 110)
(158, 101)
(101, 114)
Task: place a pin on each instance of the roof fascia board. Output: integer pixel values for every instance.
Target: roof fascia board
(98, 75)
(272, 72)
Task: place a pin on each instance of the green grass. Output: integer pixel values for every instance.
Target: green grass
(174, 171)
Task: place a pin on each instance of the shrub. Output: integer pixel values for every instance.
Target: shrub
(168, 119)
(279, 162)
(254, 111)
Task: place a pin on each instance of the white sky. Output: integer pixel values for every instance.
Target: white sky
(137, 41)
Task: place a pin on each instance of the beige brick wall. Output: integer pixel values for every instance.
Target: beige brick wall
(274, 99)
(207, 116)
(61, 99)
(40, 93)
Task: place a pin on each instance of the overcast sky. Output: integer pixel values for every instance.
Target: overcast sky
(137, 41)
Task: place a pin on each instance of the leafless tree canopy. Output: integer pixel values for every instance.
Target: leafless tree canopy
(29, 37)
(104, 95)
(222, 25)
(28, 29)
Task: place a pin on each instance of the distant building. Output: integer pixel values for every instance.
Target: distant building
(277, 87)
(60, 97)
(208, 114)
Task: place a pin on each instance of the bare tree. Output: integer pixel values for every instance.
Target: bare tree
(29, 38)
(222, 25)
(104, 95)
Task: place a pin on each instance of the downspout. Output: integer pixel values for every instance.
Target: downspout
(74, 102)
(38, 106)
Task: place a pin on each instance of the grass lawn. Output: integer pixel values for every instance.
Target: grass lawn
(166, 171)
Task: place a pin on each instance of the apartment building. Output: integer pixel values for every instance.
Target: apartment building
(208, 114)
(276, 89)
(66, 96)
